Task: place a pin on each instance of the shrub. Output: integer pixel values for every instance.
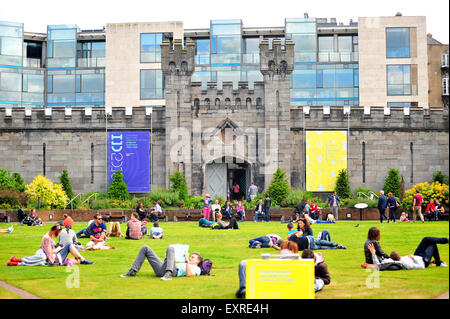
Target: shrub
(193, 202)
(351, 202)
(279, 187)
(428, 191)
(10, 199)
(178, 184)
(118, 189)
(6, 180)
(49, 193)
(19, 185)
(166, 196)
(343, 185)
(295, 196)
(393, 182)
(66, 184)
(440, 177)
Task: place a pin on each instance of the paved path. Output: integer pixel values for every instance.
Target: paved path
(18, 291)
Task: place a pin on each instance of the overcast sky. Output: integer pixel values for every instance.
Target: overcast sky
(94, 14)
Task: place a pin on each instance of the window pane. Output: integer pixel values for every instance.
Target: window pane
(344, 78)
(225, 29)
(228, 44)
(152, 84)
(151, 47)
(10, 82)
(326, 44)
(345, 44)
(63, 83)
(303, 79)
(203, 46)
(397, 42)
(251, 45)
(11, 46)
(62, 49)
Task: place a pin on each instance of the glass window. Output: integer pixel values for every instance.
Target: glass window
(151, 47)
(399, 79)
(11, 46)
(92, 83)
(152, 84)
(228, 44)
(203, 45)
(397, 43)
(10, 82)
(225, 29)
(33, 83)
(63, 83)
(62, 49)
(251, 45)
(356, 77)
(345, 44)
(399, 104)
(344, 78)
(326, 44)
(303, 79)
(300, 27)
(329, 78)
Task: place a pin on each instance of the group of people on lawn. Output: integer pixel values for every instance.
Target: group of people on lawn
(299, 237)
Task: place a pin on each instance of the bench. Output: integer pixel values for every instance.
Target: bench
(275, 215)
(113, 216)
(187, 216)
(4, 217)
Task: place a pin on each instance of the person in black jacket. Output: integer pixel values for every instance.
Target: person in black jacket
(382, 204)
(373, 237)
(298, 211)
(305, 227)
(141, 212)
(267, 203)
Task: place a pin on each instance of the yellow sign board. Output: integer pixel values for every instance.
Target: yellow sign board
(326, 155)
(280, 279)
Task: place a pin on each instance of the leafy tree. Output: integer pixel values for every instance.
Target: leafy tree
(66, 184)
(393, 182)
(178, 184)
(279, 186)
(19, 185)
(343, 185)
(440, 177)
(49, 193)
(118, 189)
(6, 181)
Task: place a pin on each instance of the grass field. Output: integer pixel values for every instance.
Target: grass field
(226, 248)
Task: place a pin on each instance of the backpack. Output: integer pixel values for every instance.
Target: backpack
(206, 267)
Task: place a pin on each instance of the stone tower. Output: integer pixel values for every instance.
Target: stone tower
(276, 65)
(177, 65)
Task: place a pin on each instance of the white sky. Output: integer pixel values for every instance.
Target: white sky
(94, 14)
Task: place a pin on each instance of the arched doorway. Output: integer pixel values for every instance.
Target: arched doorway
(223, 173)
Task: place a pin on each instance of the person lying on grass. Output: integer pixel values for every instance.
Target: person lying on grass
(288, 249)
(169, 267)
(232, 224)
(425, 252)
(7, 230)
(48, 254)
(267, 241)
(305, 242)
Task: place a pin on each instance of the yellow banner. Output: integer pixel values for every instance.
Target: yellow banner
(326, 155)
(280, 279)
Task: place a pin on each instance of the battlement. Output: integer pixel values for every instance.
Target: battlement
(279, 60)
(178, 60)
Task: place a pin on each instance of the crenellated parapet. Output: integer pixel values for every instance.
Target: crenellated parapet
(277, 61)
(178, 60)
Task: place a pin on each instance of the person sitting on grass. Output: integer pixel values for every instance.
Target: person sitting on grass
(8, 230)
(331, 218)
(67, 220)
(97, 234)
(169, 267)
(421, 259)
(373, 237)
(156, 232)
(84, 233)
(48, 254)
(34, 219)
(267, 241)
(403, 217)
(286, 248)
(203, 222)
(134, 227)
(232, 224)
(291, 230)
(68, 236)
(321, 273)
(114, 230)
(144, 226)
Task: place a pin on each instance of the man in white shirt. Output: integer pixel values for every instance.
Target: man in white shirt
(215, 208)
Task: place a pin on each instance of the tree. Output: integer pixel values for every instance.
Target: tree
(393, 182)
(6, 181)
(178, 184)
(343, 185)
(402, 190)
(66, 184)
(118, 189)
(440, 177)
(279, 186)
(48, 193)
(19, 186)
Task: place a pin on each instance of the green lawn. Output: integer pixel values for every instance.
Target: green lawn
(225, 248)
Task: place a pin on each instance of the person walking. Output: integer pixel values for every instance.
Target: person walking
(334, 201)
(252, 191)
(392, 204)
(267, 203)
(417, 206)
(382, 204)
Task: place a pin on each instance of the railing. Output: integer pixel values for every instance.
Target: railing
(444, 61)
(31, 63)
(338, 56)
(95, 197)
(445, 86)
(71, 202)
(91, 62)
(372, 194)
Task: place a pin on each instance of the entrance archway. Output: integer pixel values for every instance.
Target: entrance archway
(221, 174)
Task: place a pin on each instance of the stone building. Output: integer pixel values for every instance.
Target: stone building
(228, 104)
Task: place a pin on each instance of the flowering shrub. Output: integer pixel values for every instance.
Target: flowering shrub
(49, 193)
(428, 191)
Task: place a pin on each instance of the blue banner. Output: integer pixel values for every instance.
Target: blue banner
(129, 151)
